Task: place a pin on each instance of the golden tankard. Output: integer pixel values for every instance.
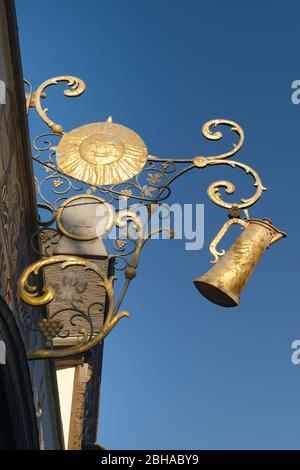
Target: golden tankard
(224, 282)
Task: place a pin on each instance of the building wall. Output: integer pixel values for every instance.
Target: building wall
(17, 223)
(65, 379)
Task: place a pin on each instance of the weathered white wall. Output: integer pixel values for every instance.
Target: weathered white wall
(15, 248)
(65, 382)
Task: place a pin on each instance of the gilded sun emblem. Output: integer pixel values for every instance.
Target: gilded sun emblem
(101, 153)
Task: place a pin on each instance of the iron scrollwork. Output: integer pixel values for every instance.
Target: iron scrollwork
(30, 293)
(152, 185)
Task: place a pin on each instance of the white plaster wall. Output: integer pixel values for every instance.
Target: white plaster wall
(65, 382)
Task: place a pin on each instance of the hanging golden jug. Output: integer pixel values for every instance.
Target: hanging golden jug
(224, 282)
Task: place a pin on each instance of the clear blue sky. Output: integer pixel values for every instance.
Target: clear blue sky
(182, 373)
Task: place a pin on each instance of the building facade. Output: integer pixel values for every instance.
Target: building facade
(45, 404)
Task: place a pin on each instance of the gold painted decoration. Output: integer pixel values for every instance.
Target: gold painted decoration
(30, 292)
(224, 282)
(85, 217)
(105, 153)
(31, 295)
(213, 246)
(101, 153)
(76, 87)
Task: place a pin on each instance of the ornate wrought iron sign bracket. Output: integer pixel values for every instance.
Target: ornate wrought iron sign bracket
(103, 163)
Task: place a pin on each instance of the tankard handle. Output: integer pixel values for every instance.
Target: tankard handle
(213, 246)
